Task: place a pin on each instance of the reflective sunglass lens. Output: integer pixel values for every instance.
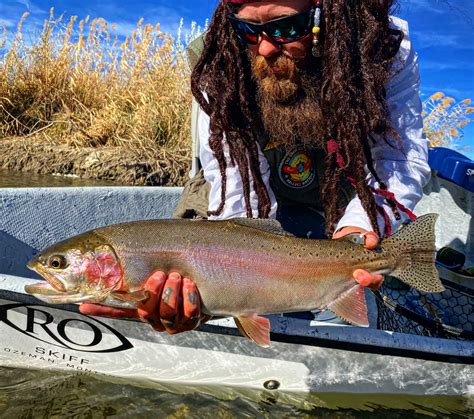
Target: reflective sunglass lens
(285, 30)
(251, 38)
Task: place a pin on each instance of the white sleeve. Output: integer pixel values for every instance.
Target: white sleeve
(404, 169)
(234, 199)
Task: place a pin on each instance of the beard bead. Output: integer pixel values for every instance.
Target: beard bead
(316, 51)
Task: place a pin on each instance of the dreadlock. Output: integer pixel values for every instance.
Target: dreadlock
(359, 48)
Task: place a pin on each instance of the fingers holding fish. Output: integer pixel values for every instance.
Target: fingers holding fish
(148, 311)
(366, 279)
(174, 304)
(107, 311)
(371, 240)
(170, 301)
(191, 306)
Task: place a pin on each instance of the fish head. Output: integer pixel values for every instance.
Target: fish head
(83, 268)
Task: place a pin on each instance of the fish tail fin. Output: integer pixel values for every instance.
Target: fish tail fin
(351, 306)
(415, 243)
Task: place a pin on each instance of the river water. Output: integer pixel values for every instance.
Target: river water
(43, 394)
(35, 394)
(10, 179)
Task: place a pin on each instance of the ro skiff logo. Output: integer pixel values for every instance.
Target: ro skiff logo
(76, 332)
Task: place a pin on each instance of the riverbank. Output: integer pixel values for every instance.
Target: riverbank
(81, 100)
(116, 164)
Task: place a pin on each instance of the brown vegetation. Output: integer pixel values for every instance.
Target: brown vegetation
(444, 119)
(78, 101)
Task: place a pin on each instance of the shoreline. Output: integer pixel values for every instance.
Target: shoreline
(114, 164)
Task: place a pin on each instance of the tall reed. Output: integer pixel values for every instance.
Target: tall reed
(444, 119)
(78, 85)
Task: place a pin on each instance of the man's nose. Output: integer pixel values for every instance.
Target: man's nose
(267, 48)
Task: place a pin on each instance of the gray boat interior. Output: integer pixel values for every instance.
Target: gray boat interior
(31, 219)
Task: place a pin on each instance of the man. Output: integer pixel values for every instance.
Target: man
(309, 107)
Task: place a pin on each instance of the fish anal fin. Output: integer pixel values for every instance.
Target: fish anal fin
(255, 328)
(135, 297)
(351, 306)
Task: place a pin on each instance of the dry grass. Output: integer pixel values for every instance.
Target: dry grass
(77, 100)
(444, 119)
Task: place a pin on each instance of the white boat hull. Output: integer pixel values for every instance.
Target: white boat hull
(305, 357)
(45, 337)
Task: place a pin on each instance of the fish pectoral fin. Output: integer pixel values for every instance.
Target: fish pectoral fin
(255, 328)
(135, 297)
(351, 306)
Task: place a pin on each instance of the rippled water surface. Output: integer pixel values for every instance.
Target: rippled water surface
(39, 394)
(10, 179)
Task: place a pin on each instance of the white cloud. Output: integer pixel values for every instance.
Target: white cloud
(124, 28)
(8, 23)
(427, 39)
(458, 94)
(31, 7)
(167, 17)
(443, 9)
(418, 6)
(444, 65)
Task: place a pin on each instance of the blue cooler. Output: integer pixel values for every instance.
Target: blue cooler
(452, 166)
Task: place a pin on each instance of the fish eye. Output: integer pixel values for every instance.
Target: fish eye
(57, 262)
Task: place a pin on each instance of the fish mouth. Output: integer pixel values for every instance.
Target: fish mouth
(43, 288)
(52, 290)
(44, 291)
(53, 284)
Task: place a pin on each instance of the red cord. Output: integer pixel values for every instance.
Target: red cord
(333, 148)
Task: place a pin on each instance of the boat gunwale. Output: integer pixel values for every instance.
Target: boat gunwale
(320, 336)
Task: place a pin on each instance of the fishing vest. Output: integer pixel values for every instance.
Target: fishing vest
(295, 176)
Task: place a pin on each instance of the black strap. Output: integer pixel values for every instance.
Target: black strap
(433, 325)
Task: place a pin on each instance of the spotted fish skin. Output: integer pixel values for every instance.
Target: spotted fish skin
(244, 267)
(417, 251)
(251, 266)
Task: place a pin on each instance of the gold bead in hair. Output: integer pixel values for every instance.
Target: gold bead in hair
(316, 50)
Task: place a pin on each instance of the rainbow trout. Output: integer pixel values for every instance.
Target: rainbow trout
(242, 267)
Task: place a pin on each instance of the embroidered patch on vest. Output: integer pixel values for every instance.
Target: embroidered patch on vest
(296, 168)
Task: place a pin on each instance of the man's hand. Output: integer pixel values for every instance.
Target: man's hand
(174, 304)
(371, 241)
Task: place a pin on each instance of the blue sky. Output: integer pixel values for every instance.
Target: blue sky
(441, 32)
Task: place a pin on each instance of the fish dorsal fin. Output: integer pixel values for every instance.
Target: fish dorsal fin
(351, 306)
(255, 328)
(265, 224)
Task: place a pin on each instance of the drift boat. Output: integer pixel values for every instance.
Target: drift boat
(425, 349)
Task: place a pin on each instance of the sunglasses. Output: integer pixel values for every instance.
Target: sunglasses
(281, 31)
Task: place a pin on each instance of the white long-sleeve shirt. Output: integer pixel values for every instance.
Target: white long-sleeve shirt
(404, 167)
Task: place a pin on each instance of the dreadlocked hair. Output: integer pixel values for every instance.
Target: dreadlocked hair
(359, 48)
(223, 73)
